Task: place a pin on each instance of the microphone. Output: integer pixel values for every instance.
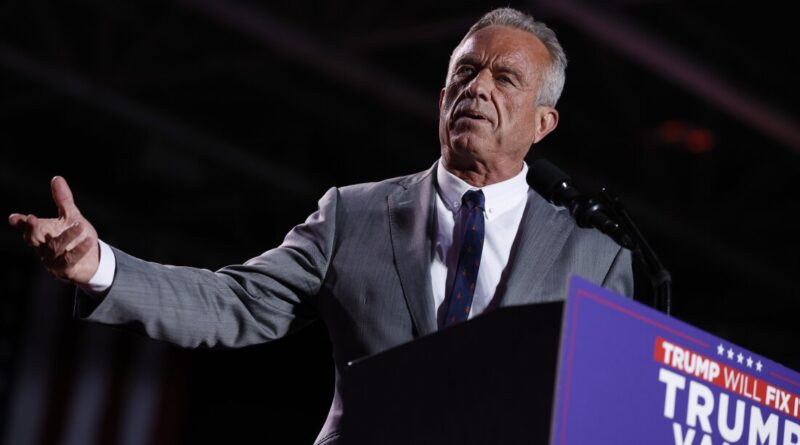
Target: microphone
(596, 211)
(589, 212)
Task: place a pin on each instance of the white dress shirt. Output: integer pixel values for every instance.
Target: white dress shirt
(504, 204)
(104, 276)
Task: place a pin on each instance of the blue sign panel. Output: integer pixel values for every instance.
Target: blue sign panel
(631, 375)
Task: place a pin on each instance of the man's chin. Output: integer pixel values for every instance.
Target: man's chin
(467, 149)
(469, 143)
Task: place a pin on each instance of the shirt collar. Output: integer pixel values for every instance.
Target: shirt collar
(500, 197)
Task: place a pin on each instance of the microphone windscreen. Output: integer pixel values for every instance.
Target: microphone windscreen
(545, 178)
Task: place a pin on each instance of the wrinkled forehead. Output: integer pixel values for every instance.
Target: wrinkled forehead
(502, 44)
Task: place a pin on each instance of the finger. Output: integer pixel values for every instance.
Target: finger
(29, 232)
(58, 244)
(62, 196)
(18, 221)
(75, 254)
(36, 230)
(64, 266)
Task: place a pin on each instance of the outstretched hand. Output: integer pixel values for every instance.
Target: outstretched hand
(67, 245)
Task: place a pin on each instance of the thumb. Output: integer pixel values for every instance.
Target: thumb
(62, 196)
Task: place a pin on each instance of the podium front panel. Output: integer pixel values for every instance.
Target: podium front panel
(486, 381)
(629, 375)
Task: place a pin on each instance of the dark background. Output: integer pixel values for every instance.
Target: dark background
(199, 132)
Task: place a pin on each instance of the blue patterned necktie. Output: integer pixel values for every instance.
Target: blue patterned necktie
(469, 260)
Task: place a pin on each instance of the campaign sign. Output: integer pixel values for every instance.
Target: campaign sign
(631, 375)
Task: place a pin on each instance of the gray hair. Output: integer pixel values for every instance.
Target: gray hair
(553, 80)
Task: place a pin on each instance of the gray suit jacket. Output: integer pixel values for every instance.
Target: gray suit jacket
(362, 263)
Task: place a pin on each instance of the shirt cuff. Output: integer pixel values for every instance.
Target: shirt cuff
(102, 280)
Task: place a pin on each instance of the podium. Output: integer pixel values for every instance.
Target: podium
(489, 380)
(598, 369)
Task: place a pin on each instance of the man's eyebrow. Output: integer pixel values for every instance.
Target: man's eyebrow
(503, 67)
(508, 69)
(467, 59)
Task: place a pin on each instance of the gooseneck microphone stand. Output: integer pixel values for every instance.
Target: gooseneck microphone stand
(604, 211)
(660, 278)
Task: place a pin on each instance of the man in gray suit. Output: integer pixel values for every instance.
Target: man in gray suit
(377, 262)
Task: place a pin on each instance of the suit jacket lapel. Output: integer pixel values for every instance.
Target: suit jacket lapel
(542, 233)
(411, 215)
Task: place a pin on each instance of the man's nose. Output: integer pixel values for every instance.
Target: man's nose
(481, 85)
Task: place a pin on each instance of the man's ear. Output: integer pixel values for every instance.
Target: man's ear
(441, 98)
(546, 121)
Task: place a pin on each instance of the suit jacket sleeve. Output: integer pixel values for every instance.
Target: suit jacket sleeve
(260, 300)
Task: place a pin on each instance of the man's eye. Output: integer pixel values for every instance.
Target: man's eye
(465, 70)
(504, 80)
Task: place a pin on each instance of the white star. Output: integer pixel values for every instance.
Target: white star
(759, 365)
(749, 362)
(730, 353)
(739, 358)
(720, 349)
